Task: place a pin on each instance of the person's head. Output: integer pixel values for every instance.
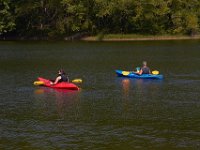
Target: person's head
(144, 63)
(61, 71)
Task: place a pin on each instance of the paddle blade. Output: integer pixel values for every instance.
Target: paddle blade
(77, 81)
(38, 83)
(155, 72)
(137, 69)
(125, 73)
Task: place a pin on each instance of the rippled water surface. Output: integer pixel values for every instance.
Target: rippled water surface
(108, 112)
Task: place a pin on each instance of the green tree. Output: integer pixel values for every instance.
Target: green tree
(184, 16)
(77, 16)
(57, 18)
(7, 22)
(154, 17)
(37, 17)
(191, 23)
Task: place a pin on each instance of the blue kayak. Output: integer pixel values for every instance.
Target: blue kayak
(130, 74)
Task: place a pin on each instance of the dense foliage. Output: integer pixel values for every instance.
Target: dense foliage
(54, 18)
(6, 18)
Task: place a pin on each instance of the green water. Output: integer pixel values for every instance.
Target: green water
(108, 112)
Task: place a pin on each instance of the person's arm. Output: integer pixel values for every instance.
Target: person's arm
(140, 72)
(57, 79)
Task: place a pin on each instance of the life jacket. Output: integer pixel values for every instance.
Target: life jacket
(145, 70)
(64, 78)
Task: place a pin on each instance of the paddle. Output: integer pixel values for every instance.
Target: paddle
(155, 72)
(125, 73)
(77, 81)
(38, 83)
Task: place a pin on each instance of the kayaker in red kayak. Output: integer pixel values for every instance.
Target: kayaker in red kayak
(144, 69)
(62, 77)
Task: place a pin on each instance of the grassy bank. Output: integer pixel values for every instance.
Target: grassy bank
(135, 37)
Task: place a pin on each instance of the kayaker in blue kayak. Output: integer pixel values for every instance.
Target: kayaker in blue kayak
(62, 77)
(144, 69)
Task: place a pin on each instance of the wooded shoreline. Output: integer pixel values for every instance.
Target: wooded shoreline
(141, 38)
(57, 19)
(109, 37)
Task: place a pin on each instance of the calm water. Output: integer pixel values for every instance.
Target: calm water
(108, 112)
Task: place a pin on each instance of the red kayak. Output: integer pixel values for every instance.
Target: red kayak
(61, 85)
